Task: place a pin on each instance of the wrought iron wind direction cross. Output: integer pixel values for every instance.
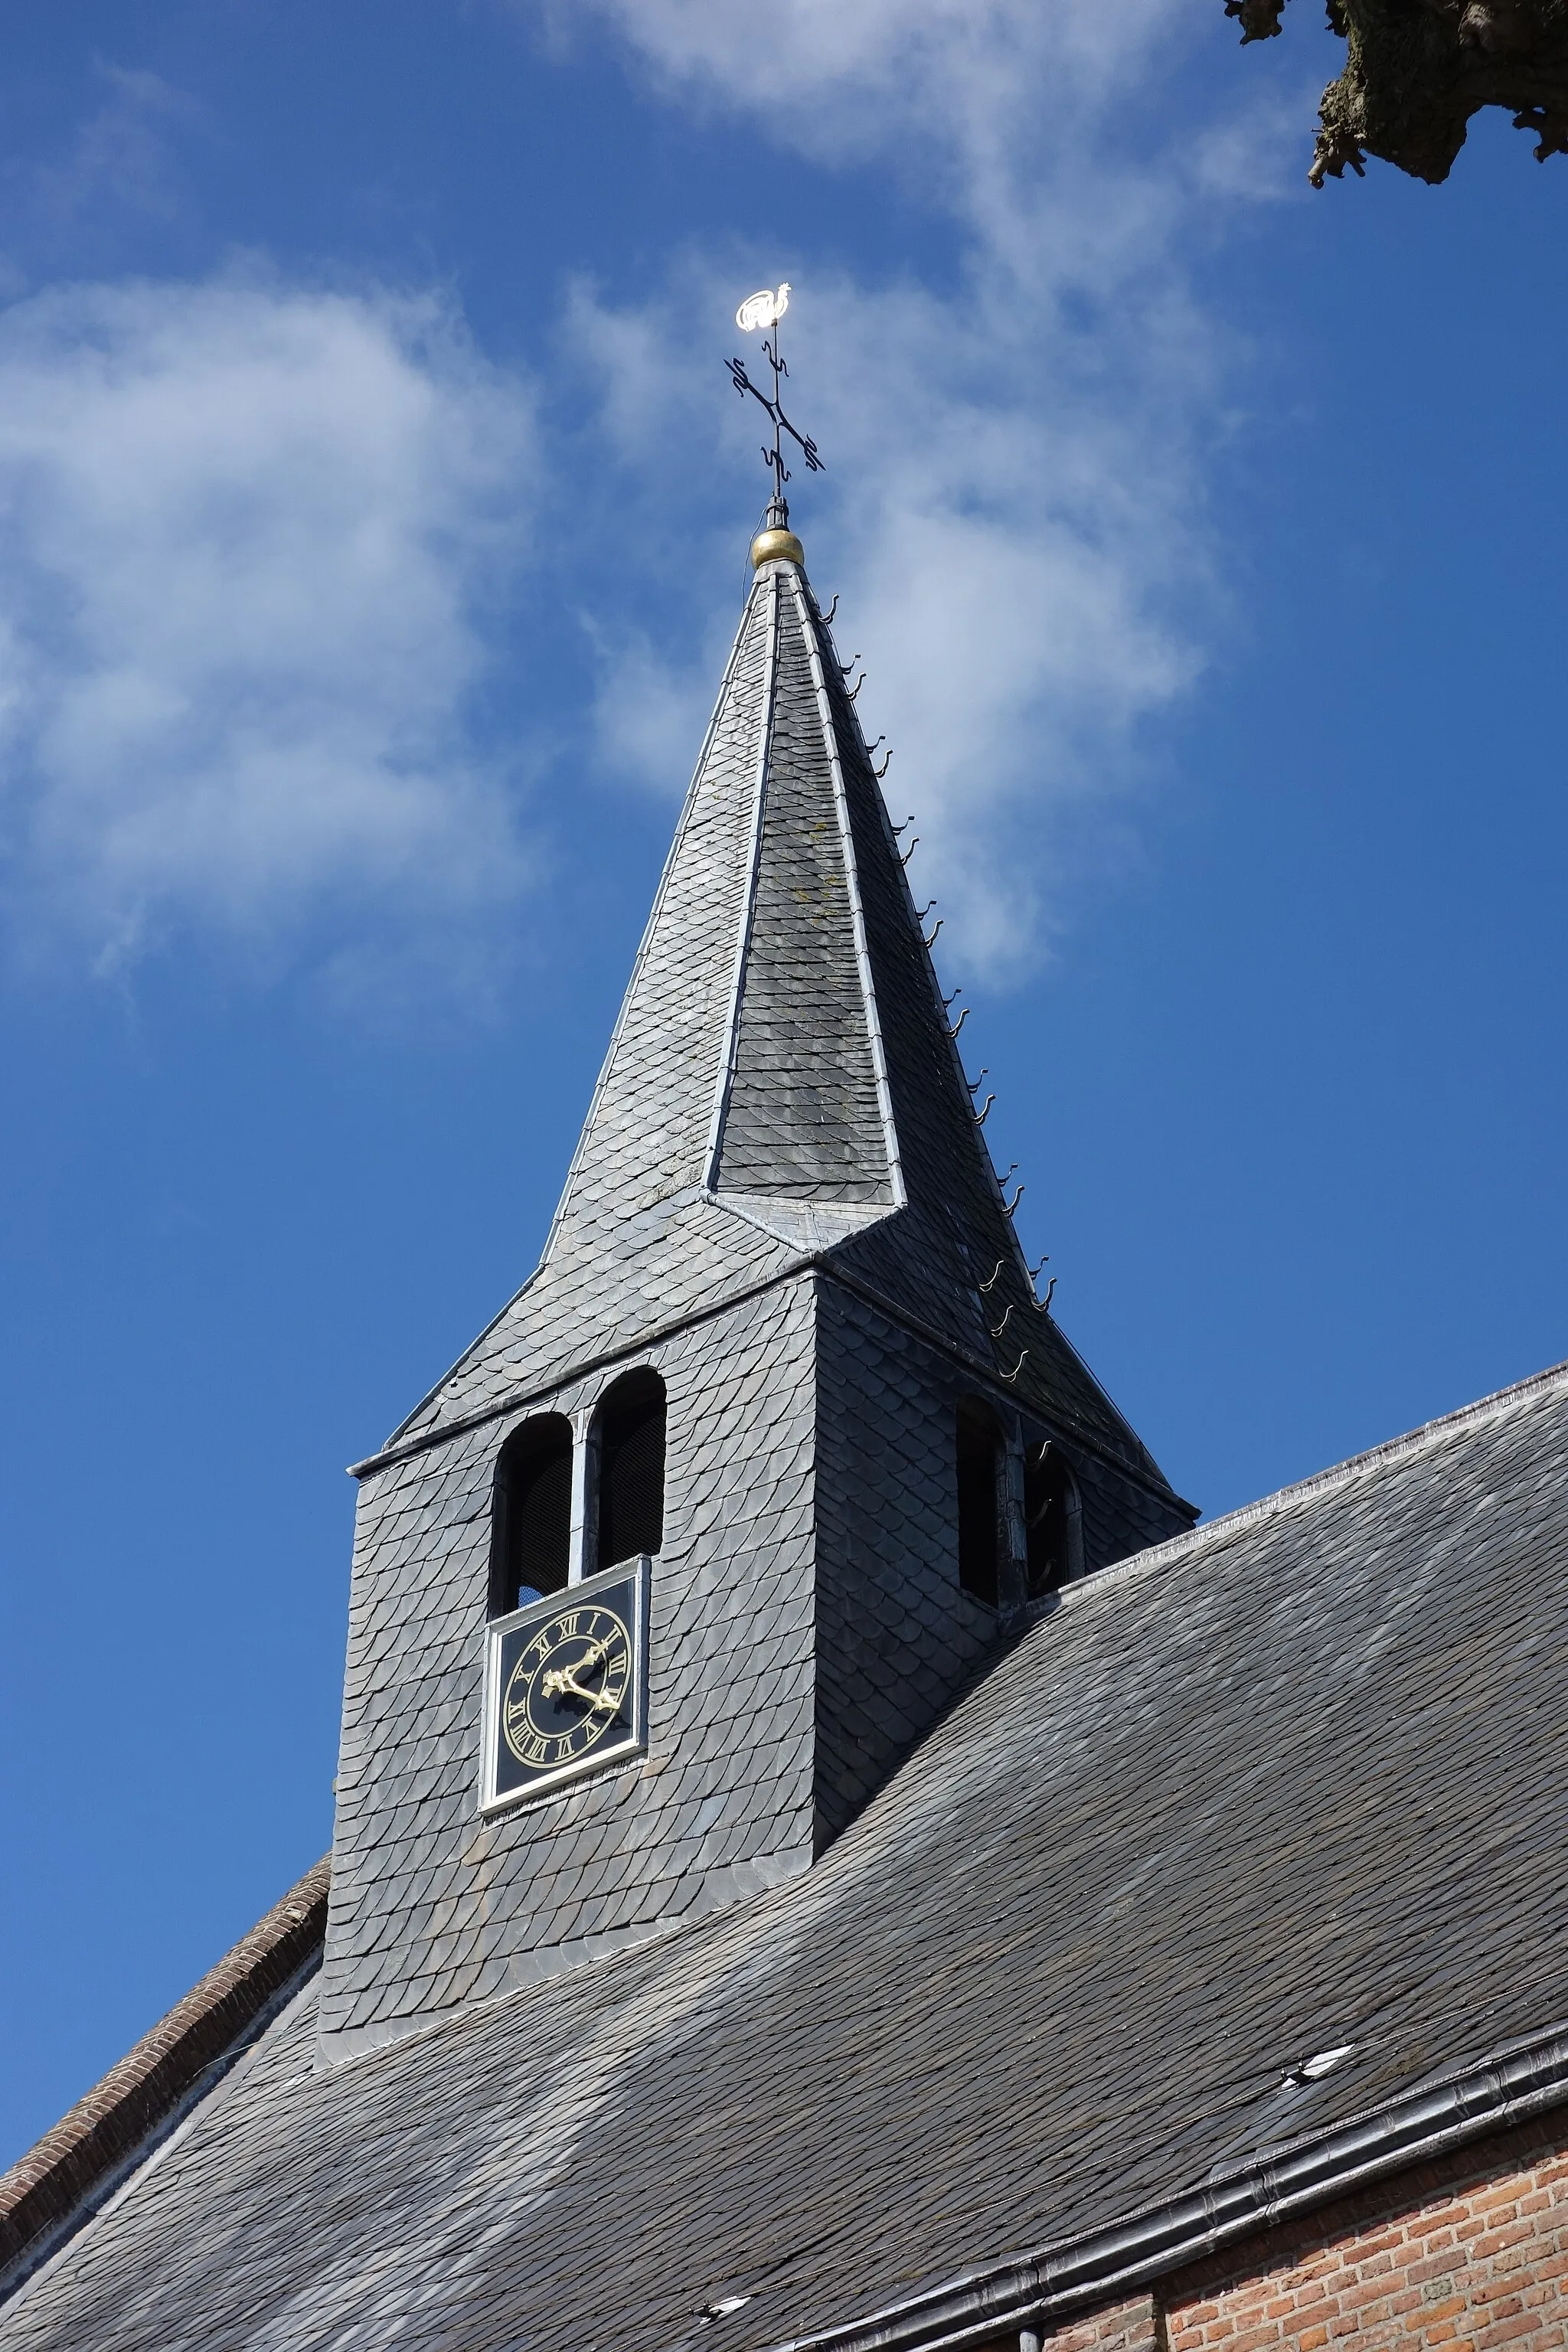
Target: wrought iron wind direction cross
(765, 310)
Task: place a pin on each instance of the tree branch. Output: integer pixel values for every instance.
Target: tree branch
(1416, 71)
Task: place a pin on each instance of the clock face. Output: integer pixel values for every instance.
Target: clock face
(563, 1684)
(567, 1689)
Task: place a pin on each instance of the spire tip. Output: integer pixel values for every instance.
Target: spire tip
(775, 542)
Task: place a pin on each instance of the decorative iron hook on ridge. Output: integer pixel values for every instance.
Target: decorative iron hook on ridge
(1034, 1273)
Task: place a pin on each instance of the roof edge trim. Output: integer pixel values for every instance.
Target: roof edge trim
(725, 1084)
(112, 2128)
(806, 618)
(823, 1263)
(409, 1424)
(814, 1226)
(1405, 1447)
(579, 1368)
(688, 812)
(1522, 2080)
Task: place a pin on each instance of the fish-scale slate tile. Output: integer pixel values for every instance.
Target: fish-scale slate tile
(804, 1120)
(635, 1244)
(451, 1893)
(807, 1579)
(1291, 1781)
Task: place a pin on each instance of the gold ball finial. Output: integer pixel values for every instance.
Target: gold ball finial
(776, 546)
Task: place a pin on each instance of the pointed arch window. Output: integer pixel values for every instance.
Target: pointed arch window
(630, 1428)
(530, 1538)
(981, 1458)
(1053, 1519)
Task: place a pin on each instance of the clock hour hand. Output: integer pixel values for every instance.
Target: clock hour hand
(560, 1680)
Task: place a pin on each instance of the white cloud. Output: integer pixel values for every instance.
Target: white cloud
(245, 536)
(250, 534)
(1020, 576)
(119, 163)
(826, 72)
(651, 714)
(987, 105)
(1015, 505)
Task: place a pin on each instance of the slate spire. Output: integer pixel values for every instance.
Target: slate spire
(803, 1110)
(751, 1027)
(782, 1081)
(781, 1211)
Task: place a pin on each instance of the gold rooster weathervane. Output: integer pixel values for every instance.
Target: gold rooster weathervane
(761, 311)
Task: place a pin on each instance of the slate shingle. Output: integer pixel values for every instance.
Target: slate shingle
(1294, 1780)
(782, 1052)
(783, 966)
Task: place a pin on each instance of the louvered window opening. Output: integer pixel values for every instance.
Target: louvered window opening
(1050, 1519)
(531, 1545)
(979, 1467)
(631, 1469)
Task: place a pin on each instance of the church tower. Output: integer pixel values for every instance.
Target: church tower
(778, 1404)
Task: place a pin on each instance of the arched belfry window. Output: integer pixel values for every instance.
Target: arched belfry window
(981, 1458)
(1052, 1519)
(630, 1428)
(531, 1542)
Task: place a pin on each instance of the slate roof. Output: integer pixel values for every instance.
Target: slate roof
(177, 2063)
(1293, 1781)
(781, 1084)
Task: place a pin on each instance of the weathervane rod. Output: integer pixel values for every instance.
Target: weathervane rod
(764, 310)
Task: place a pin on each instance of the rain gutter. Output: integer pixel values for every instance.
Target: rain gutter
(1098, 2267)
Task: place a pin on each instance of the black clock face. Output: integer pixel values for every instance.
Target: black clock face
(564, 1685)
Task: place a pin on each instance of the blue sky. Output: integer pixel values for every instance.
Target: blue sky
(373, 513)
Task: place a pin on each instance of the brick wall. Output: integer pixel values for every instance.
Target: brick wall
(1128, 2327)
(1467, 2255)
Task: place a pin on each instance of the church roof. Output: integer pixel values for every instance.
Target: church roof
(1244, 1864)
(782, 1085)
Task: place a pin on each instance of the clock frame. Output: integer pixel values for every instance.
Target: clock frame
(565, 1686)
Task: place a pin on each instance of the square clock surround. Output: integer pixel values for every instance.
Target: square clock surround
(565, 1688)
